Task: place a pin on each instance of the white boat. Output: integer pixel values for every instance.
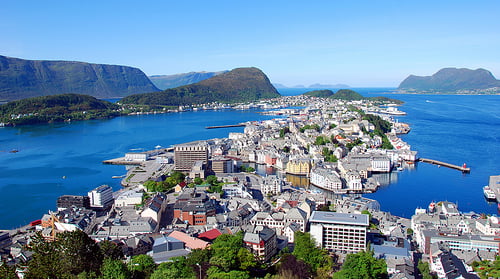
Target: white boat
(488, 193)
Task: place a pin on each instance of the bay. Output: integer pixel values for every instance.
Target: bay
(66, 158)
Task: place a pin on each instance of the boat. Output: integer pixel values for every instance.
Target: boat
(488, 193)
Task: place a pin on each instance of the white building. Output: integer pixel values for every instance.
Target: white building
(101, 196)
(271, 184)
(130, 197)
(339, 232)
(353, 180)
(326, 178)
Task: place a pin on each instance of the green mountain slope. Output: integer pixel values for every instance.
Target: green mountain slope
(450, 80)
(21, 79)
(171, 81)
(56, 108)
(349, 95)
(238, 85)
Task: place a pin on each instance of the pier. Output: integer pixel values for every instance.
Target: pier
(439, 163)
(226, 126)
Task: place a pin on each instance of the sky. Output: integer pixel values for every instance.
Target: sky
(358, 43)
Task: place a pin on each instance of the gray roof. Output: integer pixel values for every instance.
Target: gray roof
(339, 218)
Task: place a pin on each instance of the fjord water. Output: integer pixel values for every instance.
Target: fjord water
(66, 158)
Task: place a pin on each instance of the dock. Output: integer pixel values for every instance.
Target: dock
(439, 163)
(226, 126)
(121, 161)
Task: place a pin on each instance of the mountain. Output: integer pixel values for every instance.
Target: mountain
(238, 85)
(56, 108)
(319, 85)
(348, 95)
(320, 93)
(21, 79)
(171, 81)
(279, 85)
(451, 80)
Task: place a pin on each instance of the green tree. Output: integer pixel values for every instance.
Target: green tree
(362, 265)
(215, 273)
(425, 270)
(110, 250)
(198, 181)
(114, 269)
(176, 269)
(307, 251)
(225, 251)
(70, 254)
(7, 271)
(293, 268)
(141, 266)
(211, 179)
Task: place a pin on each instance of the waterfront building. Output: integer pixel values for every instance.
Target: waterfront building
(262, 242)
(101, 196)
(185, 155)
(339, 232)
(327, 179)
(137, 156)
(67, 201)
(299, 166)
(488, 226)
(353, 181)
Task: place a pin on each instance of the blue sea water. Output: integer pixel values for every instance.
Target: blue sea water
(66, 158)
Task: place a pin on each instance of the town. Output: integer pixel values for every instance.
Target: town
(178, 199)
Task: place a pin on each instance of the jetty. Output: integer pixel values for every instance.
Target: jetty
(226, 126)
(463, 168)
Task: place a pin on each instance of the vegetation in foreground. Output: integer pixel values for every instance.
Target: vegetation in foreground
(74, 255)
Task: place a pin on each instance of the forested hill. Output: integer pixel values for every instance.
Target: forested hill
(238, 85)
(348, 95)
(56, 108)
(171, 81)
(21, 79)
(449, 80)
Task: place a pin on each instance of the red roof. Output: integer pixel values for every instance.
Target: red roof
(210, 235)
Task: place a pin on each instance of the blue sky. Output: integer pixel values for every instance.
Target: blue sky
(359, 43)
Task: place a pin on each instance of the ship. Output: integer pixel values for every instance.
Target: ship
(488, 193)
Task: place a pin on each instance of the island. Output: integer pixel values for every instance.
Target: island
(452, 81)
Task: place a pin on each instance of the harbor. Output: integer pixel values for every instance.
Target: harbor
(226, 126)
(463, 168)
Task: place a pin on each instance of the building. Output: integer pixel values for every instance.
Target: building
(101, 196)
(261, 241)
(339, 232)
(327, 179)
(299, 166)
(222, 165)
(67, 201)
(130, 197)
(271, 184)
(193, 208)
(186, 154)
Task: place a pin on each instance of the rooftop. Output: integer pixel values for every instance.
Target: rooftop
(339, 218)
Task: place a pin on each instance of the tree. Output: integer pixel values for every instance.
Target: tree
(292, 268)
(198, 181)
(114, 269)
(70, 254)
(425, 270)
(362, 265)
(176, 269)
(7, 271)
(307, 251)
(110, 250)
(141, 266)
(211, 179)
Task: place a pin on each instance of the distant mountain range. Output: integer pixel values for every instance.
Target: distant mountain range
(21, 79)
(316, 86)
(171, 81)
(238, 85)
(452, 80)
